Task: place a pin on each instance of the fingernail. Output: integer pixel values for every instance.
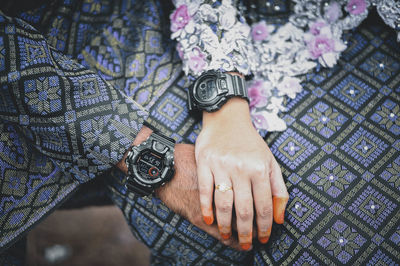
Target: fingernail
(208, 219)
(245, 246)
(245, 240)
(264, 236)
(279, 205)
(226, 236)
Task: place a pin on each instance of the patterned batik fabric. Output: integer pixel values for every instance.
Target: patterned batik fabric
(61, 124)
(344, 198)
(340, 159)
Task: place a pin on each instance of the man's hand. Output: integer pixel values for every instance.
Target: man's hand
(230, 151)
(181, 194)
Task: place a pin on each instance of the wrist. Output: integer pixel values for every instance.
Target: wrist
(235, 109)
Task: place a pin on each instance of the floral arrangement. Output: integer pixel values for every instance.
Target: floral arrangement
(213, 35)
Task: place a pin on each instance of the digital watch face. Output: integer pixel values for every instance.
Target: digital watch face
(207, 90)
(150, 165)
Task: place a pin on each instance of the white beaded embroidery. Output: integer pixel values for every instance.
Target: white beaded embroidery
(218, 37)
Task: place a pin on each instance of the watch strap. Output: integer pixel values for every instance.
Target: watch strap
(138, 189)
(236, 87)
(156, 135)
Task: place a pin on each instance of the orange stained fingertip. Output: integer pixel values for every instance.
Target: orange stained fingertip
(226, 236)
(279, 205)
(208, 219)
(225, 232)
(263, 237)
(245, 246)
(245, 240)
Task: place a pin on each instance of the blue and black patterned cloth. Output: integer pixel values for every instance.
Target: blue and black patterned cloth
(79, 78)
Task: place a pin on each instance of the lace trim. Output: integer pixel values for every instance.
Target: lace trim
(213, 35)
(210, 35)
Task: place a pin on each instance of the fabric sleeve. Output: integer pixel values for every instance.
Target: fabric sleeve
(68, 112)
(211, 35)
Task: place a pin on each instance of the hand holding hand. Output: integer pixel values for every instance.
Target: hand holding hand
(230, 151)
(181, 194)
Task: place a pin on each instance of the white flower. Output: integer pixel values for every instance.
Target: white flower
(208, 13)
(227, 17)
(289, 86)
(208, 39)
(276, 104)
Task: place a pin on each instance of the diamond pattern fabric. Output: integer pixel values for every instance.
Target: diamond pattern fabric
(340, 155)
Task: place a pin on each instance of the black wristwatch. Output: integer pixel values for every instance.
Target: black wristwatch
(213, 88)
(150, 164)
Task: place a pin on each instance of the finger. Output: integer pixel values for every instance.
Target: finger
(263, 205)
(279, 192)
(206, 187)
(223, 200)
(244, 211)
(214, 232)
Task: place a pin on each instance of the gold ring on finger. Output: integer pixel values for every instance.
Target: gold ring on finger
(223, 187)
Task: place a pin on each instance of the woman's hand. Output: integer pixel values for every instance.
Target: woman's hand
(181, 194)
(230, 151)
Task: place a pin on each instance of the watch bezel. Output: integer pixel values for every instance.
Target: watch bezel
(219, 99)
(168, 161)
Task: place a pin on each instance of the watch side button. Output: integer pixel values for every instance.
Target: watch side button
(223, 84)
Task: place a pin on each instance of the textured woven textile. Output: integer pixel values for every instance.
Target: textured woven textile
(340, 155)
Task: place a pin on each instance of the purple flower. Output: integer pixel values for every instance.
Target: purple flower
(267, 121)
(320, 45)
(260, 31)
(316, 27)
(259, 120)
(333, 12)
(356, 7)
(179, 18)
(197, 60)
(257, 94)
(324, 47)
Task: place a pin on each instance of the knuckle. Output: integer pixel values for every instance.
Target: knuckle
(225, 207)
(245, 213)
(265, 212)
(206, 156)
(259, 169)
(238, 166)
